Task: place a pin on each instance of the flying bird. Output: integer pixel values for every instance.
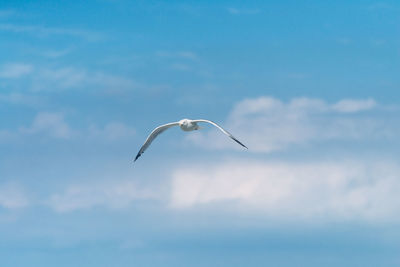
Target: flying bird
(186, 125)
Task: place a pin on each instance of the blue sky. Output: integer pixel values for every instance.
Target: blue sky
(310, 87)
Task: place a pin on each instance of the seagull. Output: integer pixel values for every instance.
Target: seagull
(186, 125)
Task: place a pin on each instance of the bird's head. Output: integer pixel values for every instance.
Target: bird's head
(184, 122)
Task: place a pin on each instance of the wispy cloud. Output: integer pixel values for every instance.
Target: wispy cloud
(70, 78)
(267, 124)
(112, 131)
(5, 135)
(50, 124)
(187, 54)
(183, 61)
(177, 54)
(62, 78)
(341, 190)
(15, 70)
(180, 67)
(56, 53)
(113, 195)
(12, 196)
(343, 41)
(21, 99)
(43, 31)
(378, 42)
(379, 6)
(54, 125)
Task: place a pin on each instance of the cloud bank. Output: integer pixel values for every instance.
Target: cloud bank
(342, 188)
(333, 191)
(267, 124)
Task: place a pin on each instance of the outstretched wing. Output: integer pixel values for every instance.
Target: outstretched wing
(153, 135)
(223, 130)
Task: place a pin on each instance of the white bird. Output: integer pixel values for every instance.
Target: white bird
(186, 125)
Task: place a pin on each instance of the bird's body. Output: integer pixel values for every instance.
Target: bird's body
(186, 125)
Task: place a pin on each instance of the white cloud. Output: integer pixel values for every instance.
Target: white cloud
(346, 190)
(115, 195)
(267, 124)
(12, 197)
(15, 70)
(51, 124)
(354, 105)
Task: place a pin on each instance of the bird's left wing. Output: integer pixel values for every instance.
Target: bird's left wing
(153, 135)
(223, 130)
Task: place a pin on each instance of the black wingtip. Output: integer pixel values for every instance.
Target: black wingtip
(244, 146)
(137, 156)
(240, 143)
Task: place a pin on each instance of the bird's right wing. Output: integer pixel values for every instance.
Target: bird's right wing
(153, 135)
(223, 130)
